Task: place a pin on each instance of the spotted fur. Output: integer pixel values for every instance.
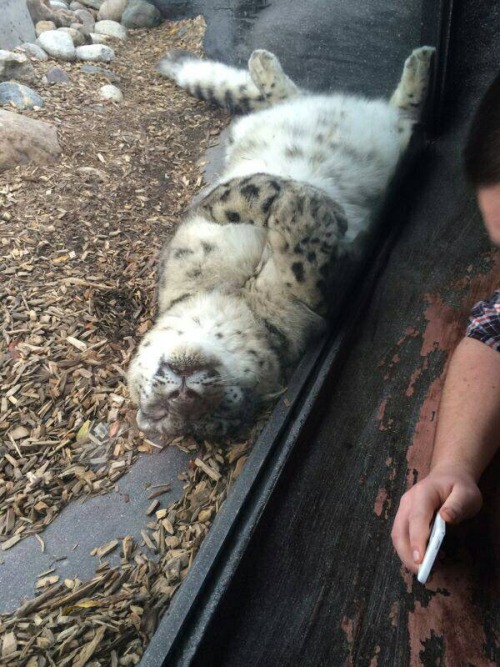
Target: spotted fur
(252, 271)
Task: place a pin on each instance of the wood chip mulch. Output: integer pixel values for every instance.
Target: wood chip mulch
(78, 247)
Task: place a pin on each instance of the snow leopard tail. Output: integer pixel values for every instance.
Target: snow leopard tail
(238, 90)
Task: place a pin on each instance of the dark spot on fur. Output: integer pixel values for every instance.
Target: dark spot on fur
(311, 256)
(182, 252)
(229, 100)
(298, 250)
(219, 335)
(314, 240)
(298, 271)
(146, 344)
(274, 184)
(294, 152)
(196, 273)
(225, 195)
(207, 247)
(179, 299)
(250, 191)
(198, 92)
(196, 320)
(261, 363)
(268, 203)
(233, 216)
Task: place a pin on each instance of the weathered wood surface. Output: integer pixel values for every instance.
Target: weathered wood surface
(320, 584)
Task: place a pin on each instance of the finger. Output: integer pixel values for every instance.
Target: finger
(462, 503)
(419, 526)
(400, 537)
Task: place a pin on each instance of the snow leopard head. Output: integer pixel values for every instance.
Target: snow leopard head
(202, 370)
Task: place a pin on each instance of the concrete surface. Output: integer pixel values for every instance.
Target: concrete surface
(322, 44)
(16, 25)
(83, 526)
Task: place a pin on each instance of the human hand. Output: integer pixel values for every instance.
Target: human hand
(450, 488)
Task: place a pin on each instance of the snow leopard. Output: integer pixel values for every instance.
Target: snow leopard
(251, 273)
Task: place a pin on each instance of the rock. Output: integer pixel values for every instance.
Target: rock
(99, 39)
(140, 14)
(58, 4)
(78, 38)
(18, 95)
(86, 19)
(76, 5)
(57, 75)
(40, 10)
(112, 10)
(63, 18)
(110, 92)
(58, 44)
(24, 140)
(95, 4)
(16, 66)
(110, 28)
(107, 73)
(95, 52)
(34, 51)
(44, 26)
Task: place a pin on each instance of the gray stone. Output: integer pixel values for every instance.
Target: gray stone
(39, 11)
(24, 140)
(58, 44)
(99, 39)
(16, 25)
(112, 10)
(76, 5)
(107, 73)
(44, 26)
(34, 51)
(20, 96)
(95, 4)
(57, 75)
(110, 92)
(140, 14)
(110, 28)
(78, 38)
(86, 19)
(58, 4)
(63, 18)
(95, 52)
(16, 66)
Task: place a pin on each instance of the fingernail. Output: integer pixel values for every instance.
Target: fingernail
(416, 555)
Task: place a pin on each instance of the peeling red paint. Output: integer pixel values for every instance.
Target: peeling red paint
(413, 378)
(381, 498)
(348, 625)
(450, 615)
(394, 614)
(374, 660)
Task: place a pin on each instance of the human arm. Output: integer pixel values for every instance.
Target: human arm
(467, 437)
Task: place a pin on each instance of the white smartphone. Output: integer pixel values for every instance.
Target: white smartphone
(437, 535)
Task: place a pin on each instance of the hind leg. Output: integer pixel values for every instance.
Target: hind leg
(410, 95)
(268, 76)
